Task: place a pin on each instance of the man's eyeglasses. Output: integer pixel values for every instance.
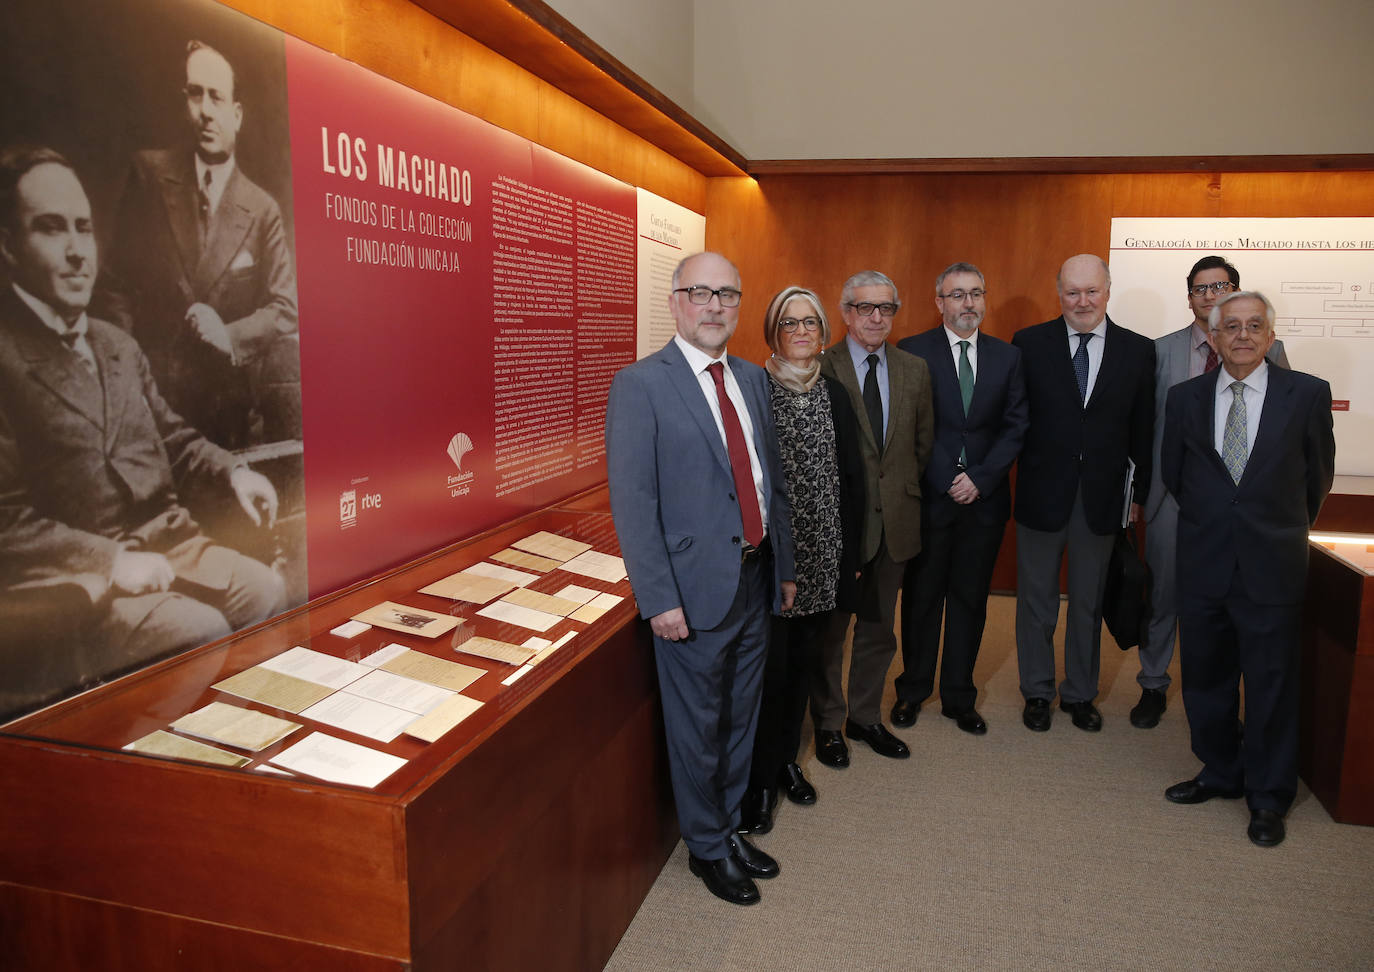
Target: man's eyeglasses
(729, 296)
(866, 309)
(1220, 287)
(1252, 328)
(790, 324)
(977, 293)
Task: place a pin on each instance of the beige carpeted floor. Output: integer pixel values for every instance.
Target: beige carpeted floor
(1021, 850)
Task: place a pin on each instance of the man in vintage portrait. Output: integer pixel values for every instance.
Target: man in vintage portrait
(200, 272)
(91, 462)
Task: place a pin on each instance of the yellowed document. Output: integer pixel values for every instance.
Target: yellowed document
(273, 688)
(596, 607)
(164, 743)
(409, 620)
(547, 603)
(551, 545)
(518, 578)
(442, 718)
(473, 588)
(518, 558)
(233, 725)
(338, 761)
(523, 616)
(599, 565)
(435, 671)
(502, 651)
(545, 653)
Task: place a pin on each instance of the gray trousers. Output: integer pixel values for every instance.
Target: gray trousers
(1161, 544)
(1039, 555)
(875, 643)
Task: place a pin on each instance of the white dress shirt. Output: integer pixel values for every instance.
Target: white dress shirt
(1256, 384)
(81, 347)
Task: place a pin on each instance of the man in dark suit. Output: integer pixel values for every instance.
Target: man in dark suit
(980, 421)
(890, 392)
(1249, 454)
(1090, 386)
(91, 456)
(700, 508)
(1183, 354)
(201, 271)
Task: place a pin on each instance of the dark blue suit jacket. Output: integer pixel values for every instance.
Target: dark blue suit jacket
(1068, 443)
(991, 433)
(672, 493)
(1258, 526)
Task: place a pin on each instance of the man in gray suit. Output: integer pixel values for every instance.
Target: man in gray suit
(1179, 356)
(701, 512)
(890, 391)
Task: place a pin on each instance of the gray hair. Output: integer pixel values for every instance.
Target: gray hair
(774, 314)
(868, 278)
(1214, 318)
(959, 267)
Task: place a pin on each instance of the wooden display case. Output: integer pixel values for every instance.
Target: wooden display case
(526, 837)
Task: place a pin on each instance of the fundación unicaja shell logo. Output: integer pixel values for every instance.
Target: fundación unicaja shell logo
(458, 447)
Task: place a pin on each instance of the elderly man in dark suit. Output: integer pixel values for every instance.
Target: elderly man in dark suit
(201, 271)
(700, 508)
(90, 455)
(1090, 384)
(980, 421)
(890, 392)
(1249, 454)
(1183, 354)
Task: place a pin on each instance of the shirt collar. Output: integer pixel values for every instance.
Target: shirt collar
(953, 337)
(697, 359)
(858, 355)
(1199, 336)
(1257, 380)
(50, 317)
(1100, 330)
(219, 178)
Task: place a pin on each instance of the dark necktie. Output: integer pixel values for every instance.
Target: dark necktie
(740, 468)
(203, 191)
(70, 338)
(1080, 366)
(1211, 364)
(873, 401)
(965, 388)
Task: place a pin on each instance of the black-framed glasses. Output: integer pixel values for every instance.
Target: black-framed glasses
(977, 293)
(700, 294)
(866, 309)
(790, 324)
(1220, 287)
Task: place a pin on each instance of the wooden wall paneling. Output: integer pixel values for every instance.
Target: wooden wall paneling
(1276, 194)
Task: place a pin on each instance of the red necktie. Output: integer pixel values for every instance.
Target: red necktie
(739, 460)
(1212, 362)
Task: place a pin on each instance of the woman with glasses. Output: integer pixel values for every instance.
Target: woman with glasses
(818, 438)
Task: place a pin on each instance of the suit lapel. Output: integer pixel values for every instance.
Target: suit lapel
(986, 376)
(114, 372)
(843, 366)
(1204, 424)
(680, 376)
(1113, 360)
(179, 198)
(897, 378)
(229, 225)
(1274, 416)
(51, 365)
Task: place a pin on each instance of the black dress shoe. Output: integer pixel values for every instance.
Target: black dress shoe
(796, 786)
(1195, 791)
(1085, 715)
(904, 713)
(725, 879)
(1037, 715)
(883, 742)
(968, 720)
(754, 862)
(830, 748)
(756, 810)
(1266, 828)
(1151, 706)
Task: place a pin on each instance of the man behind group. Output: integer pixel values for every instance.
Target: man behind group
(1089, 383)
(1249, 454)
(980, 421)
(1184, 354)
(700, 509)
(90, 455)
(201, 271)
(890, 391)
